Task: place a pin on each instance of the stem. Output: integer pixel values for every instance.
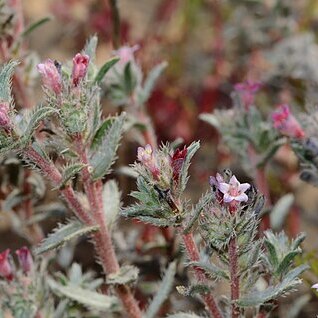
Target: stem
(235, 280)
(116, 23)
(102, 239)
(193, 254)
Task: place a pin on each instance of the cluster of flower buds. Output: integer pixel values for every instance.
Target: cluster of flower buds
(247, 91)
(231, 192)
(285, 122)
(6, 263)
(52, 76)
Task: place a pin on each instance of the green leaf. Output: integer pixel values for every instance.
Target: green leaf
(211, 270)
(192, 149)
(210, 119)
(35, 25)
(286, 262)
(63, 234)
(196, 211)
(104, 69)
(298, 240)
(6, 73)
(280, 211)
(127, 274)
(70, 172)
(105, 154)
(151, 80)
(273, 258)
(90, 299)
(129, 82)
(163, 291)
(90, 47)
(111, 202)
(289, 282)
(101, 132)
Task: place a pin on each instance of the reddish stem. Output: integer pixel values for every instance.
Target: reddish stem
(235, 280)
(193, 254)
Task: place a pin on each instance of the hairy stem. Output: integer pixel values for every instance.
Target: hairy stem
(193, 254)
(102, 239)
(235, 280)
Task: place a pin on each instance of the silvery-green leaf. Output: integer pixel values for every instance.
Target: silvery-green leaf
(184, 315)
(211, 119)
(104, 69)
(6, 73)
(63, 234)
(280, 211)
(127, 274)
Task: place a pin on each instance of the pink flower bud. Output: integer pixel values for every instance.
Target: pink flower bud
(5, 266)
(126, 54)
(286, 123)
(147, 158)
(247, 91)
(177, 161)
(80, 66)
(51, 76)
(4, 115)
(25, 259)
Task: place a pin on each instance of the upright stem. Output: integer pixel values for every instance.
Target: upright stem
(116, 23)
(193, 254)
(235, 280)
(102, 239)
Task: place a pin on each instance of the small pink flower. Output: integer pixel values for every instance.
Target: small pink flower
(5, 266)
(126, 54)
(315, 286)
(234, 191)
(51, 76)
(215, 181)
(147, 158)
(247, 91)
(286, 123)
(25, 259)
(4, 115)
(80, 66)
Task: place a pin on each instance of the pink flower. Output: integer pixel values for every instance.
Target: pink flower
(234, 191)
(126, 54)
(80, 66)
(315, 286)
(51, 76)
(147, 158)
(247, 91)
(4, 115)
(5, 266)
(25, 259)
(286, 123)
(215, 181)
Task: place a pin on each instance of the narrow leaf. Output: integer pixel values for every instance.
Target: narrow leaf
(105, 154)
(101, 132)
(280, 211)
(183, 315)
(272, 253)
(63, 234)
(210, 119)
(35, 25)
(104, 69)
(88, 298)
(6, 73)
(163, 291)
(70, 172)
(111, 202)
(127, 274)
(90, 47)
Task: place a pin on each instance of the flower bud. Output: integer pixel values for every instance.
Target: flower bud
(286, 123)
(247, 91)
(80, 66)
(147, 158)
(25, 259)
(126, 54)
(5, 266)
(51, 76)
(177, 161)
(4, 115)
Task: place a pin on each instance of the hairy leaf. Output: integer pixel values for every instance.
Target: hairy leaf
(211, 270)
(289, 282)
(111, 202)
(105, 154)
(90, 47)
(280, 211)
(104, 69)
(88, 298)
(6, 73)
(63, 234)
(127, 274)
(101, 132)
(70, 172)
(151, 80)
(163, 291)
(184, 315)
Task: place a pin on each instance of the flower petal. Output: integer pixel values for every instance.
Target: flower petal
(244, 186)
(228, 198)
(241, 198)
(234, 182)
(224, 187)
